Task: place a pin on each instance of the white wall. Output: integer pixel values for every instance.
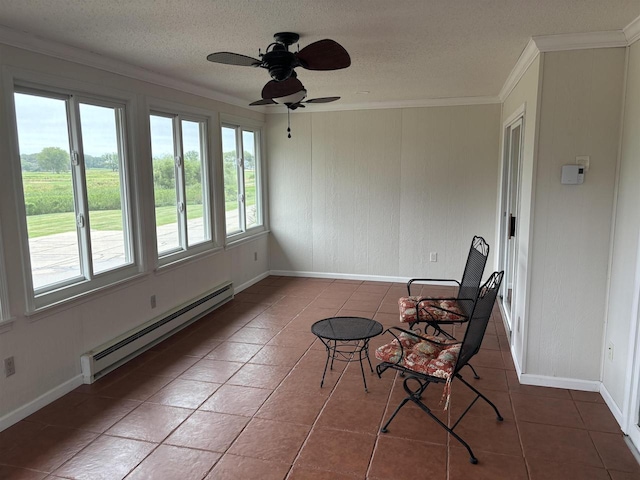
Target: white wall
(47, 347)
(373, 192)
(621, 316)
(524, 94)
(579, 115)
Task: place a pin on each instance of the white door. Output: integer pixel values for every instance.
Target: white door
(513, 136)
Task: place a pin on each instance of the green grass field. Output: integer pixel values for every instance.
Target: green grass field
(50, 192)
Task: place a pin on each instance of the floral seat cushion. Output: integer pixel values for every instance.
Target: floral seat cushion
(422, 356)
(412, 309)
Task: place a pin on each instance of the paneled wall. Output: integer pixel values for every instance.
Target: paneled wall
(374, 192)
(579, 115)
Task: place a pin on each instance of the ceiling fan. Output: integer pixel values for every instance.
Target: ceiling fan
(280, 62)
(293, 102)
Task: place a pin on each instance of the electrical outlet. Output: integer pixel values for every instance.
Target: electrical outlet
(255, 256)
(433, 257)
(610, 351)
(152, 300)
(9, 366)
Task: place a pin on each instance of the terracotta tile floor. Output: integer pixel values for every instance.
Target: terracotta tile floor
(237, 396)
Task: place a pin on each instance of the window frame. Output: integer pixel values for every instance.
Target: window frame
(5, 315)
(241, 125)
(179, 113)
(77, 92)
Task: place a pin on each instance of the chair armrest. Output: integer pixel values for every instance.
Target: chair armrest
(429, 280)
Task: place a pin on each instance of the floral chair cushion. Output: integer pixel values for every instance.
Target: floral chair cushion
(422, 356)
(433, 309)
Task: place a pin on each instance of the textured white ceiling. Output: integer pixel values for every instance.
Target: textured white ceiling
(402, 50)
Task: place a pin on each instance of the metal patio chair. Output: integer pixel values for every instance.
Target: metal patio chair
(430, 359)
(437, 312)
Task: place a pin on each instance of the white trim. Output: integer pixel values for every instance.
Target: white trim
(237, 120)
(537, 44)
(427, 102)
(348, 276)
(44, 46)
(248, 239)
(580, 41)
(629, 381)
(253, 281)
(569, 41)
(4, 292)
(632, 31)
(43, 400)
(560, 382)
(525, 60)
(608, 399)
(631, 398)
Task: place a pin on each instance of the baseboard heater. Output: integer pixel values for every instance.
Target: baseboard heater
(111, 355)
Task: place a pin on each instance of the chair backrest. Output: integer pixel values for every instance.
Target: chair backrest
(477, 325)
(473, 270)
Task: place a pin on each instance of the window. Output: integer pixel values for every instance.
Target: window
(242, 189)
(4, 310)
(180, 179)
(74, 179)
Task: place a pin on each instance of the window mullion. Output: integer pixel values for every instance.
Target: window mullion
(78, 175)
(205, 176)
(127, 224)
(180, 183)
(241, 192)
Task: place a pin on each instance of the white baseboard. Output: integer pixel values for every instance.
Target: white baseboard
(24, 411)
(615, 410)
(349, 276)
(560, 382)
(253, 281)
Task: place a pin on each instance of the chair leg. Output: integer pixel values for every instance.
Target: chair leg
(402, 404)
(475, 374)
(480, 395)
(414, 396)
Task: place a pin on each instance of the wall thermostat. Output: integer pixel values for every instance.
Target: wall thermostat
(572, 175)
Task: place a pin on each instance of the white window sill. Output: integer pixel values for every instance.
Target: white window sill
(233, 242)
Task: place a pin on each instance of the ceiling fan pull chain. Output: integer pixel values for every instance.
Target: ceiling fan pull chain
(288, 123)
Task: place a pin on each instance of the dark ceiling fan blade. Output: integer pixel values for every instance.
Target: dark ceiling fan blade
(324, 55)
(322, 100)
(264, 101)
(229, 58)
(287, 87)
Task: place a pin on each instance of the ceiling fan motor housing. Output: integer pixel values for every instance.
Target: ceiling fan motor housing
(280, 63)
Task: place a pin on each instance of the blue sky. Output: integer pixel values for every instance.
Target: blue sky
(42, 122)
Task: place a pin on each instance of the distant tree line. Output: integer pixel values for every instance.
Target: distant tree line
(56, 160)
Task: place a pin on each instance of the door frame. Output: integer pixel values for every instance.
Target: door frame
(631, 405)
(518, 116)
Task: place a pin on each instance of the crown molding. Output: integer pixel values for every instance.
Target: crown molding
(525, 60)
(570, 41)
(428, 102)
(63, 51)
(536, 45)
(632, 31)
(580, 41)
